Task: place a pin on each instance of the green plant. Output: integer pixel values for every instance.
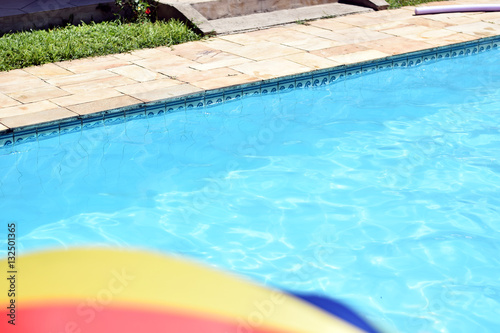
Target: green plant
(36, 47)
(139, 10)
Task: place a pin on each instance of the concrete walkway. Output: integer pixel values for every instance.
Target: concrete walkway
(71, 88)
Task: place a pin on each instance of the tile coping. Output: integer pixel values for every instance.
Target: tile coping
(14, 136)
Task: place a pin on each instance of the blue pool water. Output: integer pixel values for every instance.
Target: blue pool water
(382, 191)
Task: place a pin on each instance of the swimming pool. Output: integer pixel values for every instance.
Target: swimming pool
(381, 190)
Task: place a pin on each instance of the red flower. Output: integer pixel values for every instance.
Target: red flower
(148, 11)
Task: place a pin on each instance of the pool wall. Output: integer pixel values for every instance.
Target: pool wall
(12, 137)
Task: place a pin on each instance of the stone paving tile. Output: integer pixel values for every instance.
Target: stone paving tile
(80, 78)
(479, 29)
(452, 18)
(47, 71)
(217, 43)
(451, 39)
(311, 60)
(264, 50)
(108, 82)
(271, 68)
(2, 127)
(359, 56)
(221, 82)
(225, 60)
(38, 94)
(358, 35)
(37, 117)
(27, 108)
(408, 30)
(148, 53)
(208, 74)
(21, 86)
(159, 94)
(339, 50)
(396, 45)
(320, 32)
(93, 64)
(430, 35)
(103, 105)
(330, 24)
(360, 20)
(139, 90)
(195, 51)
(90, 96)
(6, 101)
(312, 43)
(137, 73)
(282, 35)
(127, 56)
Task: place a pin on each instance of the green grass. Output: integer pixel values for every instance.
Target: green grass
(23, 49)
(402, 3)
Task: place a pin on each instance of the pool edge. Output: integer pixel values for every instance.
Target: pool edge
(206, 98)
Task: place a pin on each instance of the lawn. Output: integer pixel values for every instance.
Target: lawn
(23, 49)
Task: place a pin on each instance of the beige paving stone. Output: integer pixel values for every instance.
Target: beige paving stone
(359, 35)
(195, 51)
(231, 60)
(3, 127)
(38, 94)
(338, 50)
(21, 86)
(330, 24)
(159, 94)
(452, 18)
(27, 108)
(396, 45)
(80, 78)
(283, 35)
(128, 56)
(484, 16)
(103, 105)
(137, 73)
(479, 29)
(245, 39)
(451, 39)
(39, 117)
(408, 30)
(14, 76)
(47, 71)
(265, 50)
(220, 82)
(108, 82)
(359, 20)
(360, 56)
(386, 25)
(311, 60)
(271, 68)
(312, 43)
(143, 87)
(426, 36)
(325, 33)
(222, 45)
(6, 101)
(92, 64)
(90, 96)
(170, 65)
(148, 53)
(208, 74)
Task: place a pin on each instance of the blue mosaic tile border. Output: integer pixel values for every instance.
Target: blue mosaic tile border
(215, 97)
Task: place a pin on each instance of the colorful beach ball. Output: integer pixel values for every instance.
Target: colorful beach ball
(109, 290)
